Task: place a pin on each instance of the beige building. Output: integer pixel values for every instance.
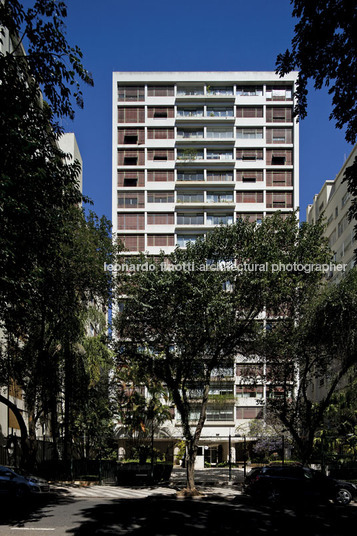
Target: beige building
(332, 203)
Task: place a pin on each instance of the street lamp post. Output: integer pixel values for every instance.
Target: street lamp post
(245, 456)
(283, 449)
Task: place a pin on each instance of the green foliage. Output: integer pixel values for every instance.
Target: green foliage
(180, 326)
(324, 50)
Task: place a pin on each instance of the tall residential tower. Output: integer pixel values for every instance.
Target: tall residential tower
(192, 150)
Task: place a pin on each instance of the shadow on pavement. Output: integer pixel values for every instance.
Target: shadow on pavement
(18, 512)
(213, 515)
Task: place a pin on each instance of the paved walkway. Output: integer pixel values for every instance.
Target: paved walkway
(212, 481)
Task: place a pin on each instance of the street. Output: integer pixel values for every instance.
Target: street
(157, 511)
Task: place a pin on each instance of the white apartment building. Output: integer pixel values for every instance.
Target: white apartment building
(192, 150)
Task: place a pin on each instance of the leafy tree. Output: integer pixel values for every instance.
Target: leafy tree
(320, 344)
(185, 323)
(324, 50)
(140, 414)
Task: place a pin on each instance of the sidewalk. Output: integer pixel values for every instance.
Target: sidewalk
(216, 477)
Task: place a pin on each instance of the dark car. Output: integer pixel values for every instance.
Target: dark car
(12, 483)
(294, 482)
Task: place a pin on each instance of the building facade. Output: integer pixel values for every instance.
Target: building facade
(332, 203)
(192, 150)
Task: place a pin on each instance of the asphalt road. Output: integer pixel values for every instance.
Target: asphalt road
(166, 515)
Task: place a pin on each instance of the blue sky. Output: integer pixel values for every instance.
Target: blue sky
(189, 35)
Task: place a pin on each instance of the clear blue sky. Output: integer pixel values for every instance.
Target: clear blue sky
(188, 35)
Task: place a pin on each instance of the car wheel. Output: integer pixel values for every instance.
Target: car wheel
(342, 497)
(273, 495)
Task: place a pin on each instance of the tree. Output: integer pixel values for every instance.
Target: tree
(187, 316)
(324, 49)
(317, 344)
(38, 190)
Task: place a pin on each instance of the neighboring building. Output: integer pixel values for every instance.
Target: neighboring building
(332, 203)
(192, 150)
(68, 144)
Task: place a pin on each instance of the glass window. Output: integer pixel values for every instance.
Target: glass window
(219, 133)
(218, 219)
(219, 111)
(215, 154)
(183, 240)
(189, 112)
(190, 90)
(249, 133)
(189, 219)
(219, 197)
(249, 91)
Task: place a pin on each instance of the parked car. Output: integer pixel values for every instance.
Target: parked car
(21, 485)
(294, 482)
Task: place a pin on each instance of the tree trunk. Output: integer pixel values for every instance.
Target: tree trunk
(190, 465)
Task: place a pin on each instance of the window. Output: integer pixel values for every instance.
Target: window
(183, 240)
(190, 176)
(249, 154)
(220, 414)
(131, 136)
(131, 221)
(342, 226)
(133, 242)
(189, 112)
(190, 197)
(192, 133)
(131, 200)
(279, 178)
(220, 133)
(221, 389)
(220, 176)
(190, 90)
(249, 391)
(160, 218)
(160, 133)
(345, 198)
(131, 93)
(189, 219)
(332, 238)
(277, 157)
(131, 115)
(249, 133)
(279, 93)
(279, 114)
(160, 175)
(190, 154)
(160, 112)
(216, 154)
(219, 197)
(219, 90)
(131, 157)
(246, 412)
(249, 111)
(249, 175)
(219, 219)
(250, 91)
(219, 111)
(160, 154)
(161, 240)
(279, 199)
(161, 91)
(279, 135)
(161, 197)
(249, 197)
(131, 178)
